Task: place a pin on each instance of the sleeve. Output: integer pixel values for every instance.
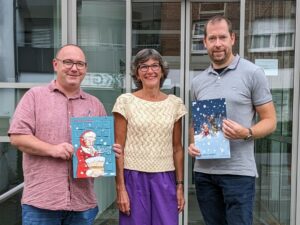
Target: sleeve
(180, 109)
(102, 111)
(120, 106)
(261, 93)
(97, 108)
(23, 121)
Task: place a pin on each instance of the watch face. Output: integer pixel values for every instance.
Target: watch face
(249, 137)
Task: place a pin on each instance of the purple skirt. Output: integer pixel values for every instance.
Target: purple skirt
(152, 198)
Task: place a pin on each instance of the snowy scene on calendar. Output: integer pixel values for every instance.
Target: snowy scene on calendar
(208, 135)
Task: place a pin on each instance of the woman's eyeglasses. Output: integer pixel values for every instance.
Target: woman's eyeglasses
(144, 67)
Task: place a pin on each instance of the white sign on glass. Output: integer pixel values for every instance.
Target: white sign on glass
(270, 66)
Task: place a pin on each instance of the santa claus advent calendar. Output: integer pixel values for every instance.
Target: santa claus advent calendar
(92, 139)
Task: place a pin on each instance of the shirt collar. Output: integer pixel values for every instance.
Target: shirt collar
(53, 87)
(231, 66)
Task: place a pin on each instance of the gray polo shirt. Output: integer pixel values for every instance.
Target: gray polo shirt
(243, 85)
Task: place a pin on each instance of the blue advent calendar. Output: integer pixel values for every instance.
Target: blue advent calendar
(207, 118)
(92, 139)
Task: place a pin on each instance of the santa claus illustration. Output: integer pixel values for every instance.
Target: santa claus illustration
(90, 163)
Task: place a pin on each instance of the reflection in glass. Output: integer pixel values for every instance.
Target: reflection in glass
(9, 100)
(157, 25)
(284, 40)
(261, 41)
(38, 32)
(270, 38)
(199, 61)
(101, 33)
(7, 72)
(11, 175)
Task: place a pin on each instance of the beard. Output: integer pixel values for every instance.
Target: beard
(219, 57)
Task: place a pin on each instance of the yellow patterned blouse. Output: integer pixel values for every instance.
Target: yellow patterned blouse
(148, 146)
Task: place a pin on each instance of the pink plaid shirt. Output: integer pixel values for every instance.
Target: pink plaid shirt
(45, 113)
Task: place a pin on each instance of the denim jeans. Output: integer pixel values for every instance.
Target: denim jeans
(225, 199)
(36, 216)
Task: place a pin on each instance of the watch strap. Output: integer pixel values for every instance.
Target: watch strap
(249, 136)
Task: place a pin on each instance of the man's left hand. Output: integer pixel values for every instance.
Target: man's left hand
(233, 130)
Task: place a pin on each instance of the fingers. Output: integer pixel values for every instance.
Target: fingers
(118, 150)
(181, 205)
(63, 151)
(232, 129)
(180, 199)
(68, 150)
(193, 151)
(124, 208)
(123, 202)
(127, 212)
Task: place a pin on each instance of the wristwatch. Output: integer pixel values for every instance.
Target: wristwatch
(249, 136)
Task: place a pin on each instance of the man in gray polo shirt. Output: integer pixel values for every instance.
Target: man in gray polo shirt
(226, 187)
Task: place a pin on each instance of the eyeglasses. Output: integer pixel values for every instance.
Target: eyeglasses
(68, 63)
(144, 67)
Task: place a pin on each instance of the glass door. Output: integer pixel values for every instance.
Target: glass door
(101, 32)
(268, 40)
(270, 43)
(30, 33)
(200, 12)
(158, 25)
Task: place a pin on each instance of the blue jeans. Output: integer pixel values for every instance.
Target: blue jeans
(225, 199)
(36, 216)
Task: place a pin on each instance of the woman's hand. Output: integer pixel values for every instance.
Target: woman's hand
(180, 197)
(123, 201)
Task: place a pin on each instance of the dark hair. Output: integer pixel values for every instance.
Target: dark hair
(143, 56)
(218, 18)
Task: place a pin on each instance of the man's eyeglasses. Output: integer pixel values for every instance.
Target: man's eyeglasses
(144, 67)
(68, 63)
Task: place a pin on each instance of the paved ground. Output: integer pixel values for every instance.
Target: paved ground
(109, 217)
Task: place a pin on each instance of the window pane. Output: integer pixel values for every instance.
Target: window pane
(101, 33)
(157, 25)
(255, 42)
(9, 100)
(284, 40)
(280, 40)
(11, 175)
(36, 26)
(7, 72)
(266, 41)
(289, 40)
(260, 41)
(275, 21)
(199, 61)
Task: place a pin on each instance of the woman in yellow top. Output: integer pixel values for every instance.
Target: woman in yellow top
(148, 125)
